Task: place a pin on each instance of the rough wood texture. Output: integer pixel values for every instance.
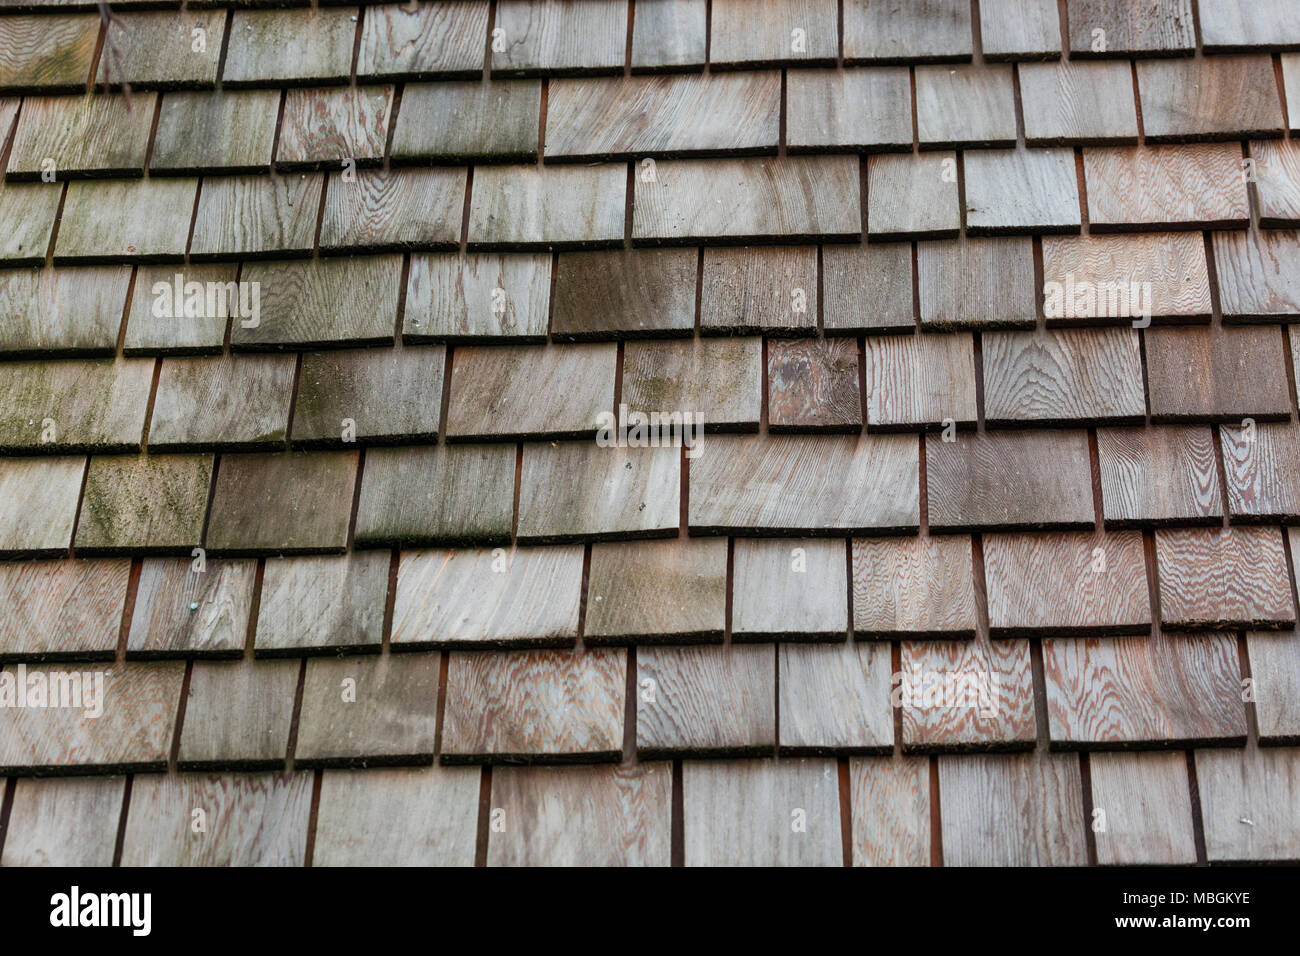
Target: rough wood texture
(28, 211)
(1218, 374)
(1275, 673)
(38, 504)
(322, 604)
(147, 504)
(463, 122)
(913, 196)
(83, 135)
(1248, 801)
(284, 503)
(672, 115)
(965, 106)
(864, 110)
(882, 31)
(792, 198)
(890, 797)
(521, 706)
(1168, 270)
(1158, 476)
(1191, 187)
(93, 405)
(793, 32)
(258, 820)
(1020, 29)
(167, 334)
(761, 813)
(835, 698)
(290, 47)
(531, 206)
(64, 822)
(368, 711)
(222, 403)
(1070, 103)
(238, 714)
(720, 379)
(867, 288)
(979, 283)
(180, 611)
(812, 385)
(583, 816)
(1021, 810)
(669, 34)
(1074, 375)
(1277, 181)
(450, 299)
(383, 210)
(256, 216)
(1160, 27)
(410, 816)
(160, 50)
(1224, 579)
(1231, 25)
(1258, 463)
(1009, 480)
(1021, 190)
(51, 610)
(429, 40)
(388, 395)
(144, 221)
(668, 591)
(919, 381)
(47, 54)
(326, 126)
(526, 597)
(716, 700)
(1217, 97)
(913, 587)
(1257, 274)
(133, 732)
(1147, 806)
(1291, 84)
(759, 289)
(575, 490)
(1157, 691)
(806, 483)
(560, 36)
(436, 495)
(789, 589)
(224, 132)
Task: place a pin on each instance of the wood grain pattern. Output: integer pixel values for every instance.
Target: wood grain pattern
(759, 289)
(583, 816)
(715, 700)
(913, 587)
(1021, 190)
(1218, 97)
(1275, 673)
(670, 34)
(527, 597)
(865, 109)
(867, 288)
(1010, 480)
(806, 483)
(890, 797)
(1216, 374)
(450, 299)
(761, 813)
(1145, 187)
(391, 720)
(146, 504)
(670, 115)
(524, 706)
(252, 820)
(1148, 809)
(718, 378)
(437, 495)
(429, 40)
(183, 612)
(227, 132)
(1070, 376)
(979, 283)
(812, 385)
(669, 591)
(157, 50)
(38, 504)
(326, 126)
(919, 381)
(256, 216)
(333, 603)
(644, 293)
(1169, 269)
(63, 822)
(530, 207)
(560, 36)
(574, 490)
(1291, 83)
(1069, 103)
(793, 198)
(1020, 29)
(290, 47)
(463, 122)
(94, 405)
(133, 733)
(390, 395)
(322, 303)
(29, 212)
(965, 106)
(1256, 272)
(287, 503)
(385, 210)
(144, 221)
(1230, 25)
(1277, 181)
(1163, 26)
(789, 589)
(1258, 785)
(1258, 467)
(1158, 475)
(47, 54)
(61, 609)
(224, 402)
(237, 714)
(910, 197)
(408, 816)
(742, 35)
(1017, 810)
(1224, 579)
(149, 334)
(835, 698)
(881, 31)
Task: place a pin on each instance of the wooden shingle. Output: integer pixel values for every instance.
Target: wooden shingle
(965, 106)
(781, 32)
(1277, 181)
(67, 406)
(38, 507)
(715, 700)
(62, 609)
(463, 122)
(1072, 102)
(322, 127)
(161, 50)
(181, 611)
(1195, 186)
(1223, 579)
(913, 587)
(1231, 25)
(322, 604)
(28, 210)
(142, 221)
(502, 298)
(666, 591)
(1257, 785)
(1256, 272)
(48, 53)
(890, 799)
(759, 289)
(193, 329)
(1219, 374)
(63, 822)
(978, 283)
(1291, 84)
(227, 132)
(720, 379)
(298, 47)
(144, 504)
(1163, 273)
(1216, 97)
(375, 396)
(222, 403)
(865, 109)
(835, 698)
(534, 207)
(607, 295)
(913, 196)
(237, 714)
(429, 40)
(1163, 27)
(383, 210)
(670, 34)
(1275, 674)
(867, 288)
(1021, 190)
(560, 36)
(81, 135)
(1148, 809)
(919, 381)
(1020, 30)
(812, 385)
(931, 30)
(789, 590)
(246, 216)
(1158, 475)
(1258, 466)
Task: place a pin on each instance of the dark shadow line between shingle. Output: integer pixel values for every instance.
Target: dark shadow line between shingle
(676, 825)
(120, 838)
(313, 818)
(1198, 820)
(484, 816)
(846, 810)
